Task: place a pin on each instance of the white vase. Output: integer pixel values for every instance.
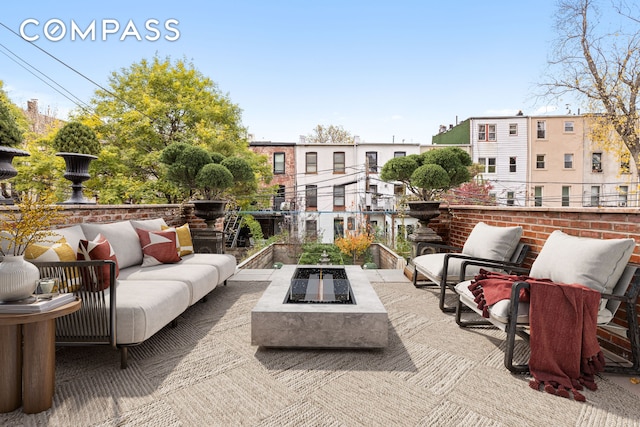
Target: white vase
(18, 278)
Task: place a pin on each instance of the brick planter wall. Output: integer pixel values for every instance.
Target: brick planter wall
(538, 223)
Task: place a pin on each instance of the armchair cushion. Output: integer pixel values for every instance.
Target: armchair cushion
(491, 242)
(595, 263)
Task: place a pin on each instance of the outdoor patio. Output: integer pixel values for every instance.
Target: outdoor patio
(206, 372)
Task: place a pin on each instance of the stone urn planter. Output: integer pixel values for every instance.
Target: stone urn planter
(77, 171)
(209, 210)
(6, 167)
(423, 211)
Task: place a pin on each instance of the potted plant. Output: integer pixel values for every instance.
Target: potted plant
(10, 137)
(204, 176)
(427, 176)
(30, 223)
(78, 145)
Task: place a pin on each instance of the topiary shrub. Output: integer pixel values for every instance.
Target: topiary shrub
(75, 137)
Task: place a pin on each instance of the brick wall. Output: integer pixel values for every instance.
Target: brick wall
(455, 224)
(172, 214)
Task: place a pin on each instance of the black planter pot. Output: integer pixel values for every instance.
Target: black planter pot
(6, 167)
(209, 210)
(77, 172)
(423, 212)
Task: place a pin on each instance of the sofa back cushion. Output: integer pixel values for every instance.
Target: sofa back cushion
(491, 242)
(596, 263)
(155, 224)
(122, 237)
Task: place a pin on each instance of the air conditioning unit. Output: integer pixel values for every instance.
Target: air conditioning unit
(285, 206)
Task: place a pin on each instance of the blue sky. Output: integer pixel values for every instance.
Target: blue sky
(384, 70)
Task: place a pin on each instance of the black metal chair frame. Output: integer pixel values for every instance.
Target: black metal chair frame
(512, 328)
(518, 257)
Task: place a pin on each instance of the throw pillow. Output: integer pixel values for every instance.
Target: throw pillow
(158, 247)
(492, 242)
(595, 263)
(184, 243)
(93, 250)
(59, 251)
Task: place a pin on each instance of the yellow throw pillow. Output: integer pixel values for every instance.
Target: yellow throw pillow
(184, 244)
(59, 251)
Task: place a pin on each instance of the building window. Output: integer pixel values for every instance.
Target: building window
(399, 154)
(489, 164)
(566, 194)
(398, 189)
(568, 126)
(540, 161)
(596, 162)
(278, 163)
(373, 190)
(278, 199)
(568, 161)
(372, 161)
(510, 198)
(312, 196)
(513, 129)
(486, 132)
(338, 195)
(311, 228)
(537, 196)
(338, 162)
(623, 195)
(541, 128)
(595, 195)
(512, 164)
(338, 228)
(311, 163)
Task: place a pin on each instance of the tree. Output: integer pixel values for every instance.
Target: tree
(152, 104)
(75, 137)
(331, 134)
(431, 173)
(600, 65)
(12, 121)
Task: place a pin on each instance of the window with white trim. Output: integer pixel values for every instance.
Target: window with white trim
(568, 161)
(486, 132)
(541, 129)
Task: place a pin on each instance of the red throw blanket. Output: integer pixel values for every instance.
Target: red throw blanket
(565, 354)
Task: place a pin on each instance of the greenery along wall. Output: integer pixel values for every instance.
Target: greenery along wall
(459, 134)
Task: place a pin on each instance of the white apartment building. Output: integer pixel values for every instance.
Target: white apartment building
(499, 144)
(338, 188)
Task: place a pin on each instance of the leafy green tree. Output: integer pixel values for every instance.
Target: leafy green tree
(430, 174)
(12, 121)
(154, 103)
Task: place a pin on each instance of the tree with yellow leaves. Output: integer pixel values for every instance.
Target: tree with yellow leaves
(354, 243)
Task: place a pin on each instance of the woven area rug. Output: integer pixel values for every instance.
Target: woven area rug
(205, 372)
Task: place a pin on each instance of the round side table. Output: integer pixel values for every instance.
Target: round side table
(28, 358)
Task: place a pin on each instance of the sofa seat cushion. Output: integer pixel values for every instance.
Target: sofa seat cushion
(200, 279)
(224, 263)
(123, 238)
(432, 266)
(145, 307)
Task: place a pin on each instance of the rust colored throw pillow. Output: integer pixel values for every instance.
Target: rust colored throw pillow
(93, 250)
(158, 247)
